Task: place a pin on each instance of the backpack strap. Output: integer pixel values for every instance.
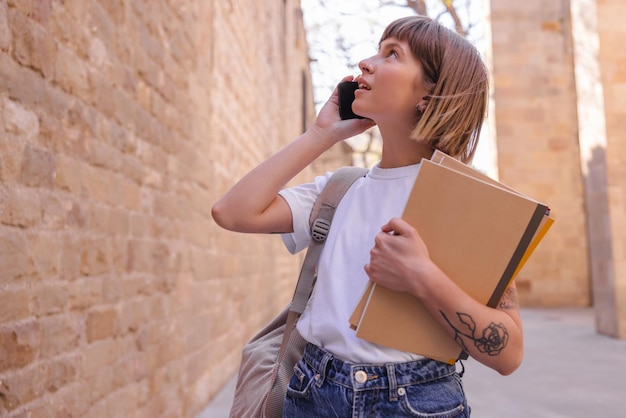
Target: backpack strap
(321, 217)
(292, 344)
(320, 220)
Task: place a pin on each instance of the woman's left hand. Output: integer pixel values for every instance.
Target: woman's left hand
(399, 259)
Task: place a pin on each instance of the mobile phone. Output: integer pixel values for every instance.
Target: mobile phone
(346, 97)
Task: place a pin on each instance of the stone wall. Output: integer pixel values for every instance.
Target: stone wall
(121, 122)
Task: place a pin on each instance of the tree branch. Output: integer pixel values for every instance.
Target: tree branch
(457, 21)
(419, 6)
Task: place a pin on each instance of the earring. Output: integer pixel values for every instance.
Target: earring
(421, 106)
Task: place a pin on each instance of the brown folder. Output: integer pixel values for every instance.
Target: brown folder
(444, 159)
(477, 231)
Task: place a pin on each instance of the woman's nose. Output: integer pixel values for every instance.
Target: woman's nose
(365, 66)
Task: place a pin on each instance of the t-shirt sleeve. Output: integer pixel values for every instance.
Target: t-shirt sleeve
(301, 200)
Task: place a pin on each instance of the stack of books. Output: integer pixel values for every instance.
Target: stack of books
(477, 230)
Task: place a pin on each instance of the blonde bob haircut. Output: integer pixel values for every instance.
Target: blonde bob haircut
(456, 78)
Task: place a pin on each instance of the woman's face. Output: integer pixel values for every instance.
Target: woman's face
(391, 84)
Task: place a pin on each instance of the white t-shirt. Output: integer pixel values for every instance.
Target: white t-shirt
(369, 204)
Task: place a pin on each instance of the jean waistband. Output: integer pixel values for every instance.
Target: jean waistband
(374, 376)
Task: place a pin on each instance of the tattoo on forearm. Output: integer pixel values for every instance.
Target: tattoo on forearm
(492, 341)
(509, 299)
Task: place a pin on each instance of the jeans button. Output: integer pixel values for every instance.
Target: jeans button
(360, 376)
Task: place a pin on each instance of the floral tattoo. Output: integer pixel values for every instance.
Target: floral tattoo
(493, 340)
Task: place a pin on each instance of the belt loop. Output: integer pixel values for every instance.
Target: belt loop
(393, 383)
(324, 363)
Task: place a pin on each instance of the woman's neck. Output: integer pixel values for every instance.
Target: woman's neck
(400, 150)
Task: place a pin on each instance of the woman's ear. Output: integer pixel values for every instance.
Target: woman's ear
(420, 107)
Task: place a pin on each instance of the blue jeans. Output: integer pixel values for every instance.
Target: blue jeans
(323, 386)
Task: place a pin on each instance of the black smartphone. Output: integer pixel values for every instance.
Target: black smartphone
(346, 97)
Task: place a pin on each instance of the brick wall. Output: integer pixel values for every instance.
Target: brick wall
(121, 122)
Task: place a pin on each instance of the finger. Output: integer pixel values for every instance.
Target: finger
(367, 270)
(398, 226)
(346, 78)
(387, 227)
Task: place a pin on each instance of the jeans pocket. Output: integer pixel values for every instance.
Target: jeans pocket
(443, 398)
(301, 381)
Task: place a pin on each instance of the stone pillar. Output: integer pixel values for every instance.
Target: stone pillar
(601, 84)
(537, 141)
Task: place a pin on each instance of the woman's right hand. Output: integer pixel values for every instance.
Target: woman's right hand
(329, 125)
(253, 203)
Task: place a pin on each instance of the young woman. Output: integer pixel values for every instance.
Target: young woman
(426, 89)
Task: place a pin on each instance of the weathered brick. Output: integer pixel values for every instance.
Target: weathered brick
(62, 371)
(23, 6)
(144, 94)
(19, 120)
(22, 387)
(133, 315)
(118, 256)
(38, 167)
(75, 216)
(119, 222)
(59, 334)
(5, 31)
(138, 256)
(101, 323)
(46, 254)
(31, 45)
(131, 192)
(79, 125)
(58, 212)
(69, 267)
(70, 72)
(71, 401)
(103, 155)
(20, 83)
(19, 207)
(115, 10)
(10, 147)
(86, 292)
(98, 355)
(103, 27)
(93, 258)
(101, 383)
(102, 185)
(41, 10)
(14, 303)
(15, 262)
(68, 175)
(49, 299)
(19, 345)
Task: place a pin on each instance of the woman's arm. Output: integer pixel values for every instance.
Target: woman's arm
(253, 204)
(492, 336)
